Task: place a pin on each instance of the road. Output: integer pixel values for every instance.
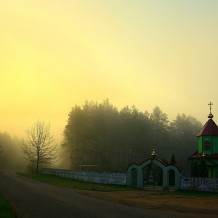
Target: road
(34, 199)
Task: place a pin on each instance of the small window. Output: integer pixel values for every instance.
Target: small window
(207, 145)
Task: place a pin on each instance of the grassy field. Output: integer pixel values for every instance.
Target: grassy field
(182, 203)
(5, 209)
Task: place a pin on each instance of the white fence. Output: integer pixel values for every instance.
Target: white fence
(186, 183)
(105, 178)
(199, 184)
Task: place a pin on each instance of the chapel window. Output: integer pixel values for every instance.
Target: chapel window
(207, 145)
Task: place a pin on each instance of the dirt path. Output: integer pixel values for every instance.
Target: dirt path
(31, 198)
(177, 206)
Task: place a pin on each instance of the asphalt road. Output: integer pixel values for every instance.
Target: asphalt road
(31, 198)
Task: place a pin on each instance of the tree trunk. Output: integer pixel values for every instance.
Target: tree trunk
(37, 167)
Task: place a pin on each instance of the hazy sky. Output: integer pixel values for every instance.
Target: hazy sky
(58, 53)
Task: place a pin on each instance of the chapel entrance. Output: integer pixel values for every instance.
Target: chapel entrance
(153, 174)
(153, 177)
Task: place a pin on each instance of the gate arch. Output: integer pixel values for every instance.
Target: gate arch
(140, 178)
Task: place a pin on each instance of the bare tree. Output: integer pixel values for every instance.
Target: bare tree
(39, 145)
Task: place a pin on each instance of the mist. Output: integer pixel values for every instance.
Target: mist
(100, 134)
(11, 157)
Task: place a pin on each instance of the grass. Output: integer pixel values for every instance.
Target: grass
(77, 184)
(71, 183)
(201, 194)
(5, 209)
(190, 203)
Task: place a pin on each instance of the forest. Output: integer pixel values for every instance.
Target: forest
(99, 137)
(103, 138)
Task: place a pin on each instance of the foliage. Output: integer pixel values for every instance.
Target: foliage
(183, 131)
(39, 146)
(99, 134)
(5, 209)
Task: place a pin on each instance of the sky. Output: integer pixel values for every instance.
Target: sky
(56, 54)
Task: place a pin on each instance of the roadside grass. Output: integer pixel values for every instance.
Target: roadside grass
(201, 194)
(5, 209)
(188, 203)
(71, 183)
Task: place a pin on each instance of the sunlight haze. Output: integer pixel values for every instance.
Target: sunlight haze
(56, 54)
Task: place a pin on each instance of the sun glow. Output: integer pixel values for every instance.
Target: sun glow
(55, 54)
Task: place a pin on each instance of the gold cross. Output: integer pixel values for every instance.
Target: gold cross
(210, 104)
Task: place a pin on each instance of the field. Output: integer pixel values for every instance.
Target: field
(182, 203)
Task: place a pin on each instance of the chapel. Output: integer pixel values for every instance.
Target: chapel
(207, 150)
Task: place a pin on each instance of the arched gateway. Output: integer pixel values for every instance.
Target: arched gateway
(136, 173)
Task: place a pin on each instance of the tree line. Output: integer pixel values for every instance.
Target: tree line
(103, 138)
(99, 137)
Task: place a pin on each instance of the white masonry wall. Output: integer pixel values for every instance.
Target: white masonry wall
(199, 184)
(95, 177)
